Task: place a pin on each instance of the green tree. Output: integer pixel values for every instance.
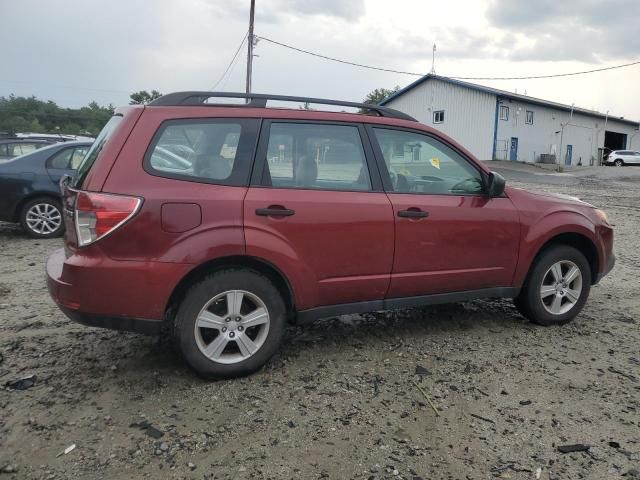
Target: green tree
(376, 96)
(29, 114)
(143, 97)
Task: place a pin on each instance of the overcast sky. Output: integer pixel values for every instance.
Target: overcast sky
(74, 51)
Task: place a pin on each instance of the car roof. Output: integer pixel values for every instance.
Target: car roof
(259, 100)
(23, 140)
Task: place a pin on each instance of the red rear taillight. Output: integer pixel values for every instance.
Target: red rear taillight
(98, 214)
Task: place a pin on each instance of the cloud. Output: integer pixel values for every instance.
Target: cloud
(281, 11)
(585, 30)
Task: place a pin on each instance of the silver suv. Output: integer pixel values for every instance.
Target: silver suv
(620, 158)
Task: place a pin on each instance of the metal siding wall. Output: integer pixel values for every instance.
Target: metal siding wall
(469, 115)
(585, 133)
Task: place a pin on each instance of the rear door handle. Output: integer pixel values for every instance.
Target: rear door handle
(413, 213)
(274, 212)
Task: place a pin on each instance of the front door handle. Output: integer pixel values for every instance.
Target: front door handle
(275, 211)
(413, 213)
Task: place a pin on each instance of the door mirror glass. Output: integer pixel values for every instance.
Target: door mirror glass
(495, 184)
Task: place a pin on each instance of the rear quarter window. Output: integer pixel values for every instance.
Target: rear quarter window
(93, 153)
(218, 151)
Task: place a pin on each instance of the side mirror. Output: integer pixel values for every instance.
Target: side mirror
(495, 184)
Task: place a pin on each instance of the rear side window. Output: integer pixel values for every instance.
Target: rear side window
(96, 148)
(203, 150)
(317, 156)
(61, 159)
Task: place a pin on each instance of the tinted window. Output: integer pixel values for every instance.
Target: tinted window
(60, 159)
(203, 149)
(3, 150)
(419, 163)
(77, 157)
(16, 149)
(96, 148)
(307, 155)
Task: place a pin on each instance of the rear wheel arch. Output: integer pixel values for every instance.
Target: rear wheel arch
(23, 201)
(259, 265)
(576, 240)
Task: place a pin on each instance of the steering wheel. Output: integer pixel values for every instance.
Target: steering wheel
(468, 185)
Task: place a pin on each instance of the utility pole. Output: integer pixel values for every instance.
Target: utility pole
(250, 47)
(433, 61)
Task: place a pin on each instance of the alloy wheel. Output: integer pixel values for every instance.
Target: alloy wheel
(561, 287)
(43, 218)
(232, 326)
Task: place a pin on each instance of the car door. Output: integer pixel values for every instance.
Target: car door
(317, 211)
(450, 236)
(634, 158)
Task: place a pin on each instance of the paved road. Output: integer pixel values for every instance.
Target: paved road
(526, 173)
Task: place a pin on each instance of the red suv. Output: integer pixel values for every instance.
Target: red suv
(223, 221)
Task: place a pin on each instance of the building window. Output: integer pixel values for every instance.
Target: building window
(504, 112)
(529, 119)
(438, 116)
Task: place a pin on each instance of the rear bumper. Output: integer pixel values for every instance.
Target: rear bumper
(121, 295)
(127, 324)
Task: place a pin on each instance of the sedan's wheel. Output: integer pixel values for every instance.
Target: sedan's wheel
(557, 286)
(230, 323)
(42, 218)
(618, 163)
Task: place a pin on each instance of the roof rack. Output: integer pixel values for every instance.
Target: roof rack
(259, 100)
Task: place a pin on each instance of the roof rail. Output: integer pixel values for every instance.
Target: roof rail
(259, 100)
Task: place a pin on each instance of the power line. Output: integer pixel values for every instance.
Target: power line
(382, 69)
(244, 37)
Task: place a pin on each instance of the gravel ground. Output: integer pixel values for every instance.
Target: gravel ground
(342, 399)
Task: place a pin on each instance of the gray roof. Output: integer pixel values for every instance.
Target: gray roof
(509, 95)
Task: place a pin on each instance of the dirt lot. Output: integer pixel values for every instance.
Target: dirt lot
(339, 400)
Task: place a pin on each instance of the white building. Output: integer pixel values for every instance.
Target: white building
(500, 125)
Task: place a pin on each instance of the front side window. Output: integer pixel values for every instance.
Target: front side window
(438, 116)
(197, 149)
(418, 163)
(504, 112)
(529, 119)
(316, 156)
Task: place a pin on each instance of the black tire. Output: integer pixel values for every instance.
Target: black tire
(530, 304)
(203, 292)
(40, 230)
(618, 163)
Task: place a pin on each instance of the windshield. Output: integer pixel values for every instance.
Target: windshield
(91, 156)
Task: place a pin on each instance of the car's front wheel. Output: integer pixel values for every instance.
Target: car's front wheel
(230, 323)
(42, 218)
(618, 163)
(557, 286)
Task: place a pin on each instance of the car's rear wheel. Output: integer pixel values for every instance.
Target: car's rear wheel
(42, 218)
(230, 323)
(618, 163)
(557, 287)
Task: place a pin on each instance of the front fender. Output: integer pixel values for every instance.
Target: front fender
(536, 234)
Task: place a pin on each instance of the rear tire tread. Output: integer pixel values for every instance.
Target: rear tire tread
(206, 288)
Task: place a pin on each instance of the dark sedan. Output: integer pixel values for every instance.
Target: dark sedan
(29, 191)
